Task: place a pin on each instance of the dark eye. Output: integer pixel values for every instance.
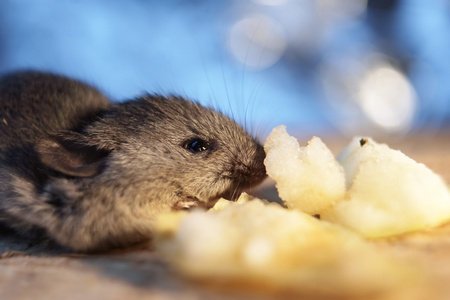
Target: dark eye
(196, 145)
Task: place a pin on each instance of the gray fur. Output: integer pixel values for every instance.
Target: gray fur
(92, 174)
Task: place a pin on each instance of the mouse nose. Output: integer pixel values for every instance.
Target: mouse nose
(252, 172)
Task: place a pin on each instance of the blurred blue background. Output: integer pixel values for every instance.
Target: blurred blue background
(318, 66)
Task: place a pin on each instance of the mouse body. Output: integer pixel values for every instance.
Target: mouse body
(93, 174)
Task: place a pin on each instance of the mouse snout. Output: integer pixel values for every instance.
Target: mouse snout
(250, 170)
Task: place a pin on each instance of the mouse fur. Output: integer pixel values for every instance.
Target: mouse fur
(92, 174)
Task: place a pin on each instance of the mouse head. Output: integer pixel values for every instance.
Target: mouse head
(158, 149)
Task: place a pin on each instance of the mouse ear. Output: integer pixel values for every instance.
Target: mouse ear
(71, 154)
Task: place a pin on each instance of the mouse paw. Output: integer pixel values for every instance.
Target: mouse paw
(188, 203)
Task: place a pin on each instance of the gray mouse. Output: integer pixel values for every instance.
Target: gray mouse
(92, 174)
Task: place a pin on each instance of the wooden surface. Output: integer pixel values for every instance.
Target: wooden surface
(37, 270)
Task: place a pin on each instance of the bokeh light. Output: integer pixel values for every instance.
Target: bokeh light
(257, 41)
(387, 98)
(369, 95)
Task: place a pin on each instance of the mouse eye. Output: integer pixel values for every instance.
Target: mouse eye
(196, 145)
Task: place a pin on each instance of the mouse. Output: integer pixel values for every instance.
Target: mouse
(93, 174)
